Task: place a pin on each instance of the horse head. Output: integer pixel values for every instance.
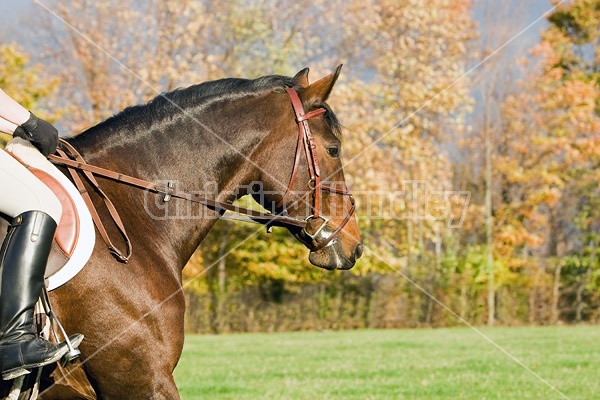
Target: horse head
(304, 177)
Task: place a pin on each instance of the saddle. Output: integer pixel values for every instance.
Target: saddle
(75, 235)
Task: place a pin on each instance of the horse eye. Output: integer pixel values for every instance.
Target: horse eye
(333, 151)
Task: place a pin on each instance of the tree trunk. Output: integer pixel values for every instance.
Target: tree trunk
(533, 293)
(216, 286)
(489, 221)
(433, 271)
(556, 252)
(556, 292)
(579, 295)
(584, 282)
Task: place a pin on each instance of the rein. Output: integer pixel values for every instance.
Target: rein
(68, 156)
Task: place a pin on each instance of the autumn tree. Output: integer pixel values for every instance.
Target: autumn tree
(114, 54)
(406, 94)
(497, 49)
(551, 162)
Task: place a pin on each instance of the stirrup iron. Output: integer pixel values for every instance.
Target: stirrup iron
(73, 354)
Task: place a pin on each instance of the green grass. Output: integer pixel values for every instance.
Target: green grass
(454, 363)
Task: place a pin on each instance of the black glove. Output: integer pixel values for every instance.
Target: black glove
(40, 133)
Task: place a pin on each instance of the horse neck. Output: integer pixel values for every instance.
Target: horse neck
(215, 153)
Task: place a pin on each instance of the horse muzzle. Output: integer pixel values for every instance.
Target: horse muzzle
(326, 247)
(334, 257)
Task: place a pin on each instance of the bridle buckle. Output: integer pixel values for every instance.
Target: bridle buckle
(321, 233)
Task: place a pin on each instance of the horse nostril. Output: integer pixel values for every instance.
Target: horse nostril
(358, 251)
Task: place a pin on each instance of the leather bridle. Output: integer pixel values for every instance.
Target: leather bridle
(324, 235)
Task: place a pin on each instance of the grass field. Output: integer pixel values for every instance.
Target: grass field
(454, 363)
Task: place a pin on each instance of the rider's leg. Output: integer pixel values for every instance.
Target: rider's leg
(35, 211)
(23, 261)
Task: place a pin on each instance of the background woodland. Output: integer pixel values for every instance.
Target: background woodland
(435, 96)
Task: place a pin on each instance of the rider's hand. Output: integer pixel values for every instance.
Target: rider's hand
(40, 133)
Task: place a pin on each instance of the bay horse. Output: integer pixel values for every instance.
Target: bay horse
(234, 133)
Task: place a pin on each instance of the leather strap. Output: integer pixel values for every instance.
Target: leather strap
(119, 255)
(70, 157)
(306, 141)
(344, 221)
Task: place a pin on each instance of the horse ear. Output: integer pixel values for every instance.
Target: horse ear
(319, 91)
(301, 78)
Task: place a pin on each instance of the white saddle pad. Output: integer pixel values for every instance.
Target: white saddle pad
(85, 237)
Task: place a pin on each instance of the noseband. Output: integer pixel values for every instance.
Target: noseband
(324, 235)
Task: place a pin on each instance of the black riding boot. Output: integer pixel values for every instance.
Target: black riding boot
(23, 260)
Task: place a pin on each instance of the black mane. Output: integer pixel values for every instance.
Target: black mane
(217, 91)
(196, 97)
